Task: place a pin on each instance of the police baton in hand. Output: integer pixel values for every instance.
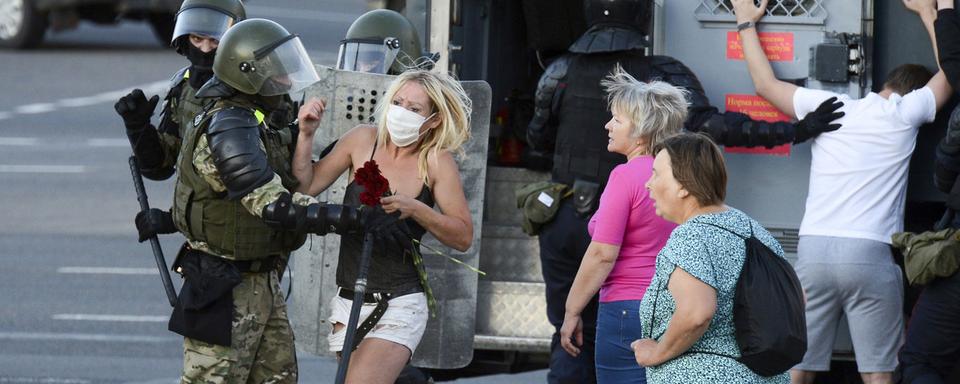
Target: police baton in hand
(154, 242)
(359, 289)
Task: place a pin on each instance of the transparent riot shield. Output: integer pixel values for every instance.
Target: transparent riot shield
(448, 342)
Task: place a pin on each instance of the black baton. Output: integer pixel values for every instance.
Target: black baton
(358, 292)
(154, 242)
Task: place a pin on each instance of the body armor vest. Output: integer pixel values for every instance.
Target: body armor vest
(185, 104)
(581, 142)
(202, 214)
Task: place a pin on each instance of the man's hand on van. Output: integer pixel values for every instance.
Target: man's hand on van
(746, 10)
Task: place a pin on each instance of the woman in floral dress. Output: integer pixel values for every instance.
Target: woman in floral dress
(686, 314)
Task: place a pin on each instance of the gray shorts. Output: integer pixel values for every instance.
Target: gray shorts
(856, 278)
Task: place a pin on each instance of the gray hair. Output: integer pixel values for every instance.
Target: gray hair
(656, 109)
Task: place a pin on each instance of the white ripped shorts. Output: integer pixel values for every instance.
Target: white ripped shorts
(403, 323)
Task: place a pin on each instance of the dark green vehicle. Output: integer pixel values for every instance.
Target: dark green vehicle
(23, 23)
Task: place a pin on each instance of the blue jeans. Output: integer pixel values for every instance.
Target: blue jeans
(618, 325)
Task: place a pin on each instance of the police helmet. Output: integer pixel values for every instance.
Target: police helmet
(259, 56)
(634, 14)
(208, 18)
(380, 41)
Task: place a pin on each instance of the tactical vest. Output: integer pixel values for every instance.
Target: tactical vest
(183, 100)
(202, 214)
(581, 143)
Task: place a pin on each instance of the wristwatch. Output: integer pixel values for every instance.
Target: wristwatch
(742, 26)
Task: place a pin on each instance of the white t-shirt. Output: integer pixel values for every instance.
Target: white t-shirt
(858, 173)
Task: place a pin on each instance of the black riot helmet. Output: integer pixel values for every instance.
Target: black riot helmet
(208, 18)
(633, 14)
(380, 41)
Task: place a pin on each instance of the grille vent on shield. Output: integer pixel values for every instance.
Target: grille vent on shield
(784, 11)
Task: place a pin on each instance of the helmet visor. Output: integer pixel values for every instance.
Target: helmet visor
(286, 69)
(366, 56)
(207, 22)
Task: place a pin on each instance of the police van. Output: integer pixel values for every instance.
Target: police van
(498, 321)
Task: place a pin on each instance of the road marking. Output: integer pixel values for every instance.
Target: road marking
(94, 142)
(42, 380)
(121, 318)
(18, 141)
(154, 88)
(108, 142)
(31, 109)
(87, 337)
(315, 16)
(108, 271)
(42, 169)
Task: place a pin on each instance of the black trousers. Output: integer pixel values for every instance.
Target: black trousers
(932, 348)
(563, 242)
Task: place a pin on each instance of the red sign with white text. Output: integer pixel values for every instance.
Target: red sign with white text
(777, 45)
(757, 108)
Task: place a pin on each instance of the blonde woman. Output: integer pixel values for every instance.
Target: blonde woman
(424, 123)
(626, 233)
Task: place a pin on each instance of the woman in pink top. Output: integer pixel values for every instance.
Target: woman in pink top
(625, 231)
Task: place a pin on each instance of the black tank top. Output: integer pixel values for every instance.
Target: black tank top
(391, 270)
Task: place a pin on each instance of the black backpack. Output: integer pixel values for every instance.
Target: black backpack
(768, 310)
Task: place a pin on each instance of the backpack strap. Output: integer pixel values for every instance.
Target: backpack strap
(728, 230)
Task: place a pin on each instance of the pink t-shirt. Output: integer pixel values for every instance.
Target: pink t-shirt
(626, 217)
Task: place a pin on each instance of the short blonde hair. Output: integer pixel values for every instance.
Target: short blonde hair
(656, 109)
(448, 101)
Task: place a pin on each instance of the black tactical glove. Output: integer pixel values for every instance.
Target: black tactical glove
(819, 121)
(387, 228)
(135, 109)
(153, 222)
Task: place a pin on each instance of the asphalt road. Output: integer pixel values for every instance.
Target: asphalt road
(82, 302)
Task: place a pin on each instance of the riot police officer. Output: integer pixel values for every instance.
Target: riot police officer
(932, 346)
(199, 26)
(570, 111)
(381, 41)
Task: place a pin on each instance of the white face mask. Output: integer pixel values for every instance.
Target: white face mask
(404, 125)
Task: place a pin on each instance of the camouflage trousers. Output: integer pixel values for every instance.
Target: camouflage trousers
(262, 348)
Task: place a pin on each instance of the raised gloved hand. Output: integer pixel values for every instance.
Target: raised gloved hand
(819, 121)
(135, 109)
(387, 228)
(153, 222)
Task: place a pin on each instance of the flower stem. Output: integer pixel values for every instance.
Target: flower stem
(451, 258)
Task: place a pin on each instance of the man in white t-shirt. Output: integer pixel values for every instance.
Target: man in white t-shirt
(858, 177)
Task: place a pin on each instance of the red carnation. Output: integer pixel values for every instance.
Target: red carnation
(374, 184)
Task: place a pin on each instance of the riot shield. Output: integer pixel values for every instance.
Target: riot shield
(448, 342)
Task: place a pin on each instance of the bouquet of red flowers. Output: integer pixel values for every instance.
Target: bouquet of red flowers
(376, 186)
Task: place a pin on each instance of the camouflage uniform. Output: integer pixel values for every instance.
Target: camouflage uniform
(262, 349)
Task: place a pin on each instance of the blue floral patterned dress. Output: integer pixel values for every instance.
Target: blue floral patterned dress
(715, 257)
